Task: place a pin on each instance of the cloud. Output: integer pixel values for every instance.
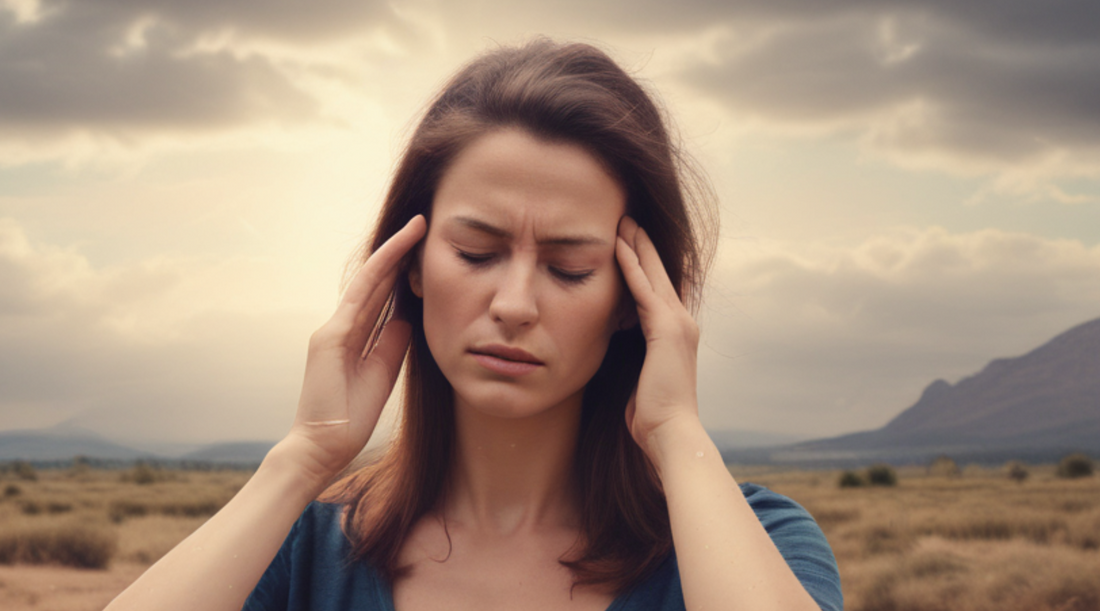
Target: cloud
(1005, 89)
(825, 341)
(102, 73)
(148, 350)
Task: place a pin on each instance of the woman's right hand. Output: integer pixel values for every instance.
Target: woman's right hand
(345, 388)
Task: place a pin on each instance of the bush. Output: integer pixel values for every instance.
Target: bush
(24, 471)
(850, 479)
(1016, 471)
(142, 474)
(12, 490)
(944, 466)
(1075, 465)
(882, 475)
(122, 509)
(74, 545)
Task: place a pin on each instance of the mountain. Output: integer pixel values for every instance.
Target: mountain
(65, 441)
(737, 439)
(1042, 404)
(62, 442)
(241, 453)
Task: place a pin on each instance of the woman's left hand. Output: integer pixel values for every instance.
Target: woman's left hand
(666, 390)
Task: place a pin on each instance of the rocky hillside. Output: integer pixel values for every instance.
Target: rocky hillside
(1047, 400)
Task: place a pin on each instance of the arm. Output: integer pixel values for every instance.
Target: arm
(342, 397)
(726, 558)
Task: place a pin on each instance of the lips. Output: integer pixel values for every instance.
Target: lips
(507, 353)
(506, 360)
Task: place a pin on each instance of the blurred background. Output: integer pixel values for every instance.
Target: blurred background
(908, 190)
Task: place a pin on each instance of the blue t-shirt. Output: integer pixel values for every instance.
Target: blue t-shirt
(312, 571)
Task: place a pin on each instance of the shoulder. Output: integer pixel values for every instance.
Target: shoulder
(795, 534)
(315, 569)
(800, 541)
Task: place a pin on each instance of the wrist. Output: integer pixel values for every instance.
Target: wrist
(678, 437)
(291, 460)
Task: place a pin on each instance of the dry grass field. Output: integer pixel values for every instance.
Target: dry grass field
(72, 539)
(973, 542)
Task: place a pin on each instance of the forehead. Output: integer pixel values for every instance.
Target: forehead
(513, 180)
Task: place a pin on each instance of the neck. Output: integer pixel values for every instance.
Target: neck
(514, 474)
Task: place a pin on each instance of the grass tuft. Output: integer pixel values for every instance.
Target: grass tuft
(76, 545)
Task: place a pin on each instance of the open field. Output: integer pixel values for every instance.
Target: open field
(974, 542)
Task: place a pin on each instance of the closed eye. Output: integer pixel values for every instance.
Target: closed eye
(478, 260)
(474, 259)
(570, 277)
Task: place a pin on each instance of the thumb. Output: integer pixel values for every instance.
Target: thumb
(631, 405)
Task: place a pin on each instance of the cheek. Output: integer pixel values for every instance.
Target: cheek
(443, 297)
(590, 322)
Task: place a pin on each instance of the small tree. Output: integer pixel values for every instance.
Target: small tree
(1075, 465)
(944, 466)
(850, 479)
(882, 475)
(1016, 471)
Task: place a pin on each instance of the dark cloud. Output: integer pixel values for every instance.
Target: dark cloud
(120, 67)
(996, 82)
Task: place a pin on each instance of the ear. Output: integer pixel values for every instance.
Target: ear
(627, 312)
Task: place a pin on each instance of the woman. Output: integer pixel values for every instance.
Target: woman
(529, 267)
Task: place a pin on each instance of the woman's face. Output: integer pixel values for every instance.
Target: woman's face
(518, 274)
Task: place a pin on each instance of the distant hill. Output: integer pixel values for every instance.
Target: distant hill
(736, 439)
(65, 442)
(1041, 404)
(62, 443)
(244, 452)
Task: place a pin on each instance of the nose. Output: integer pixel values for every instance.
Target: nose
(514, 305)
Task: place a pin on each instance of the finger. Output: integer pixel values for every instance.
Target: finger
(631, 406)
(650, 261)
(381, 367)
(372, 285)
(628, 227)
(635, 276)
(382, 262)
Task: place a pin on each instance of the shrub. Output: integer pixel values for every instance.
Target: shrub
(81, 467)
(1075, 465)
(12, 490)
(74, 545)
(120, 509)
(944, 466)
(24, 471)
(1016, 471)
(142, 474)
(850, 479)
(882, 475)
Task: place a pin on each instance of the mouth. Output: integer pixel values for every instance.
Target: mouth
(507, 353)
(506, 360)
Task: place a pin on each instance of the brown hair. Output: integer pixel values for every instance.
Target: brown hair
(573, 93)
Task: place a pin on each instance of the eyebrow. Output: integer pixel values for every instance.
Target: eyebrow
(564, 240)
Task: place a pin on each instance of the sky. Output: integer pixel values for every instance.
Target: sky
(907, 191)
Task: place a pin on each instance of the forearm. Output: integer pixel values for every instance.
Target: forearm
(217, 566)
(726, 558)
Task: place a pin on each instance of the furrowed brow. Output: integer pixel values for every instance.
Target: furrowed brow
(563, 240)
(482, 226)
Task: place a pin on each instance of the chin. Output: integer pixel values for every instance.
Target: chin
(512, 403)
